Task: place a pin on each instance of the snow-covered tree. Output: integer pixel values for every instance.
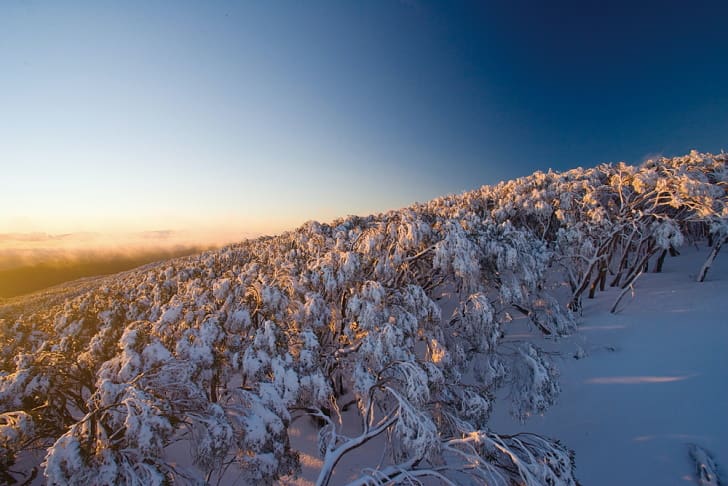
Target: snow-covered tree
(387, 327)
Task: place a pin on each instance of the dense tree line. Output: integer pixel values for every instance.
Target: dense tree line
(388, 325)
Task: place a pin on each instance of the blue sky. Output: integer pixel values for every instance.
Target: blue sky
(257, 116)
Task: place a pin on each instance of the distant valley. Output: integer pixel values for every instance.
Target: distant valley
(30, 278)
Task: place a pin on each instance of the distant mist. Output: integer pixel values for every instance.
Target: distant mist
(30, 278)
(34, 261)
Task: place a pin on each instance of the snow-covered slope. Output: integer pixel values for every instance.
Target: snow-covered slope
(655, 379)
(397, 330)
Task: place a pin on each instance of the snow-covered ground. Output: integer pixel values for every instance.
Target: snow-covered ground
(655, 380)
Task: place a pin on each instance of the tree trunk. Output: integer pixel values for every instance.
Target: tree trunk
(575, 303)
(660, 261)
(213, 387)
(627, 287)
(599, 280)
(623, 260)
(640, 264)
(709, 261)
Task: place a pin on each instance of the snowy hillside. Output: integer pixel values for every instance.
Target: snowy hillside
(416, 330)
(654, 380)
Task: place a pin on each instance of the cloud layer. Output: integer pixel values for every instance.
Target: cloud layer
(33, 261)
(29, 249)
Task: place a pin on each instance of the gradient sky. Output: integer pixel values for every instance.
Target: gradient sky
(257, 116)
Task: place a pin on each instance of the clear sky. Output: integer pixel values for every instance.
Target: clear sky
(257, 116)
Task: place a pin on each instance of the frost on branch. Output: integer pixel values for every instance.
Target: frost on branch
(16, 431)
(473, 329)
(535, 385)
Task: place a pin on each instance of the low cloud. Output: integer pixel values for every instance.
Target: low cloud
(29, 249)
(34, 261)
(31, 237)
(157, 234)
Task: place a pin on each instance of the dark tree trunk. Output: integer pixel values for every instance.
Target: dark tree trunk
(709, 261)
(213, 388)
(575, 303)
(660, 261)
(639, 267)
(603, 277)
(599, 280)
